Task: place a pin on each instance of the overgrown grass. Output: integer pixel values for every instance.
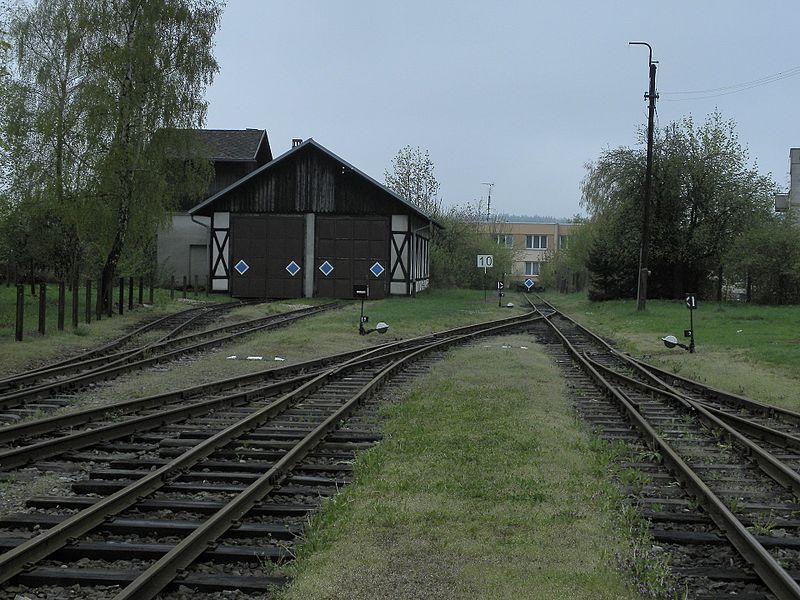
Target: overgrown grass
(747, 349)
(485, 487)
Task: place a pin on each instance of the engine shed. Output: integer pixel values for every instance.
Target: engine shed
(310, 224)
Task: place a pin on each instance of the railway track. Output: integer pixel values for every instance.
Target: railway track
(172, 324)
(207, 500)
(51, 388)
(715, 474)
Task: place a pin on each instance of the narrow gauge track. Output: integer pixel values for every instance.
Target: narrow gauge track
(172, 323)
(47, 437)
(52, 388)
(207, 503)
(723, 495)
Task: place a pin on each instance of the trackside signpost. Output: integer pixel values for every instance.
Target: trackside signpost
(670, 341)
(485, 261)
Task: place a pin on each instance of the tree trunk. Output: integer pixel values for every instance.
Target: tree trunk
(749, 289)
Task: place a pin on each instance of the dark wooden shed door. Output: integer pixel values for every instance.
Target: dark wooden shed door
(352, 245)
(267, 244)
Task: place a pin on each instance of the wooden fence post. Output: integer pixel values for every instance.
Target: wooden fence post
(88, 306)
(20, 310)
(75, 299)
(61, 302)
(152, 283)
(121, 295)
(42, 307)
(141, 291)
(130, 293)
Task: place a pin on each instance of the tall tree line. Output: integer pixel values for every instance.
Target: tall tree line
(709, 204)
(96, 113)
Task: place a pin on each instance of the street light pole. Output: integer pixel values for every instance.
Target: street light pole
(641, 294)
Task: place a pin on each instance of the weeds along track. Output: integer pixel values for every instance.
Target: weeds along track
(715, 475)
(51, 388)
(211, 502)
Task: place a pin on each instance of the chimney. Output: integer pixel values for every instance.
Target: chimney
(296, 142)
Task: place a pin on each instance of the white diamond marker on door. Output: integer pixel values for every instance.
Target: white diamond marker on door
(293, 268)
(326, 268)
(241, 267)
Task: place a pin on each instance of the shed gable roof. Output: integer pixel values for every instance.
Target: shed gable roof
(233, 144)
(206, 206)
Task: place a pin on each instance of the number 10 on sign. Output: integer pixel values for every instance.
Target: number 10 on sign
(485, 261)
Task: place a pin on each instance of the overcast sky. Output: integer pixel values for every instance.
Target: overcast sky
(521, 94)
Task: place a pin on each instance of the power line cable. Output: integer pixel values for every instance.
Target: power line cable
(734, 88)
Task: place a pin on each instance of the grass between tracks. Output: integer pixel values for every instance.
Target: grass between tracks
(744, 349)
(485, 487)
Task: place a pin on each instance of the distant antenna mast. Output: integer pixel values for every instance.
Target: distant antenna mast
(489, 201)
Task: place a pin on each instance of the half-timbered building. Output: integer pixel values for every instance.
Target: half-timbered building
(308, 224)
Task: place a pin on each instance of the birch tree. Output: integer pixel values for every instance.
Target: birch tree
(97, 121)
(413, 179)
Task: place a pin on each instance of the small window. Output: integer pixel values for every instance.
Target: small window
(563, 242)
(536, 242)
(504, 239)
(531, 268)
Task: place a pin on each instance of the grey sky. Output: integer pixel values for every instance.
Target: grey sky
(519, 93)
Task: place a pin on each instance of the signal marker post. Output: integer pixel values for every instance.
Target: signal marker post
(500, 294)
(484, 262)
(691, 304)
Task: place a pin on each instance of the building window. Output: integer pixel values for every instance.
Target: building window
(536, 242)
(504, 239)
(531, 268)
(563, 242)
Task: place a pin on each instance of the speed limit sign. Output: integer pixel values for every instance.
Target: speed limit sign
(485, 261)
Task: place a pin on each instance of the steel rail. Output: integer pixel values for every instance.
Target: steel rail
(22, 455)
(12, 380)
(769, 434)
(251, 325)
(37, 548)
(17, 457)
(651, 370)
(15, 399)
(768, 464)
(10, 433)
(153, 580)
(736, 400)
(765, 565)
(101, 363)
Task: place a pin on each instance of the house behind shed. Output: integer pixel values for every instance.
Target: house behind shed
(310, 224)
(183, 245)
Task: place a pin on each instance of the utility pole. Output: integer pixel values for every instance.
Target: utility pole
(651, 96)
(489, 202)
